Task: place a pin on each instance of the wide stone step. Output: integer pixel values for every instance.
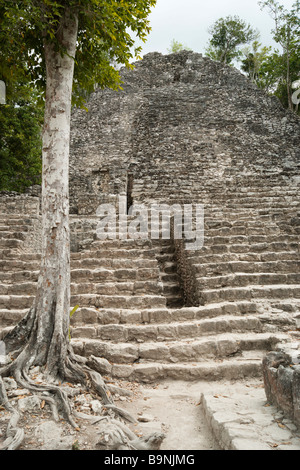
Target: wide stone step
(273, 247)
(14, 219)
(224, 222)
(233, 294)
(250, 239)
(91, 316)
(118, 301)
(11, 317)
(118, 263)
(117, 254)
(86, 275)
(118, 244)
(117, 288)
(215, 370)
(114, 282)
(267, 256)
(8, 229)
(107, 288)
(19, 205)
(8, 235)
(88, 316)
(17, 276)
(10, 243)
(8, 267)
(247, 230)
(14, 254)
(14, 263)
(246, 279)
(227, 369)
(16, 302)
(188, 350)
(168, 332)
(22, 288)
(90, 300)
(137, 273)
(292, 266)
(11, 225)
(11, 255)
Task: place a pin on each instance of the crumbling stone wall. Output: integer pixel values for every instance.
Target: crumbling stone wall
(281, 370)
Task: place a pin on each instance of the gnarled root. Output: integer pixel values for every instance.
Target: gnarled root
(14, 435)
(113, 435)
(117, 435)
(58, 363)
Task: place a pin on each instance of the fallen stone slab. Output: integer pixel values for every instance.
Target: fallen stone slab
(247, 422)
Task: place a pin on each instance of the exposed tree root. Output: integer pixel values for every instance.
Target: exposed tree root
(75, 371)
(14, 435)
(113, 435)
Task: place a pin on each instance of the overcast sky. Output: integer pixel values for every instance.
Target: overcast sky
(187, 21)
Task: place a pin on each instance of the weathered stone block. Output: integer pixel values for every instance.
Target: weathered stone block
(282, 383)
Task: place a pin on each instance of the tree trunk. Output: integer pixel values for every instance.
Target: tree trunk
(288, 74)
(44, 331)
(42, 337)
(53, 294)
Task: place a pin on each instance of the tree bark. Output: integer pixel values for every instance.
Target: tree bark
(53, 294)
(42, 336)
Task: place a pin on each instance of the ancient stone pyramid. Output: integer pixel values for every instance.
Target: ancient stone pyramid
(184, 130)
(187, 129)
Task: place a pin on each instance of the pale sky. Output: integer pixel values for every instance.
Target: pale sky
(187, 21)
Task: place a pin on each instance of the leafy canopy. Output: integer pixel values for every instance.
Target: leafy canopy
(106, 34)
(227, 35)
(20, 140)
(177, 46)
(283, 68)
(252, 62)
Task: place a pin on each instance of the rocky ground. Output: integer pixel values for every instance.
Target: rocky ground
(193, 416)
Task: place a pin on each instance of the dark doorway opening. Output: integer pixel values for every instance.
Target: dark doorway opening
(129, 191)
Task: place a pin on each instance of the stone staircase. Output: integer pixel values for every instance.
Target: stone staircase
(248, 255)
(131, 314)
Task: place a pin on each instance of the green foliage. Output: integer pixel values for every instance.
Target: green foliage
(105, 30)
(105, 35)
(275, 67)
(76, 445)
(177, 46)
(74, 310)
(253, 60)
(284, 67)
(227, 35)
(71, 315)
(20, 139)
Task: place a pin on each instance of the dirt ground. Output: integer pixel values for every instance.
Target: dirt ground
(170, 407)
